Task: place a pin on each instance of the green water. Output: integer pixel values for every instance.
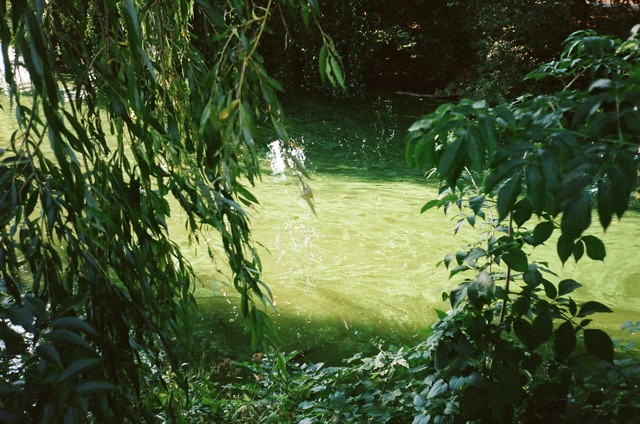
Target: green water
(364, 269)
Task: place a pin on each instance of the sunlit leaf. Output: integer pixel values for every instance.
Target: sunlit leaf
(441, 314)
(439, 387)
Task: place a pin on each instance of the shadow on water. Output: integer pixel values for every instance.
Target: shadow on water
(219, 333)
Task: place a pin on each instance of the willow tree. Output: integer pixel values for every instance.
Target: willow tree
(128, 108)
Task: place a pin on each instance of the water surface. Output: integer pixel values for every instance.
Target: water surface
(364, 268)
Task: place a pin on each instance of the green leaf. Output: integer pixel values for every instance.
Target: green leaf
(337, 70)
(542, 327)
(508, 194)
(521, 306)
(322, 63)
(585, 322)
(564, 341)
(567, 286)
(423, 154)
(306, 405)
(524, 332)
(304, 13)
(485, 124)
(577, 217)
(542, 232)
(535, 187)
(532, 276)
(550, 172)
(77, 366)
(522, 212)
(429, 205)
(67, 336)
(21, 316)
(600, 83)
(421, 418)
(564, 247)
(549, 289)
(74, 323)
(50, 353)
(621, 190)
(95, 387)
(599, 344)
(441, 314)
(592, 307)
(573, 308)
(516, 259)
(475, 154)
(595, 248)
(501, 174)
(578, 250)
(450, 163)
(133, 26)
(457, 295)
(476, 203)
(442, 356)
(439, 387)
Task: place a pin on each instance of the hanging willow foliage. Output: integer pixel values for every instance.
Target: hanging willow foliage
(128, 107)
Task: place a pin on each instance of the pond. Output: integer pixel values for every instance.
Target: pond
(364, 268)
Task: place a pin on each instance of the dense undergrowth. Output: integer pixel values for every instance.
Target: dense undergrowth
(403, 384)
